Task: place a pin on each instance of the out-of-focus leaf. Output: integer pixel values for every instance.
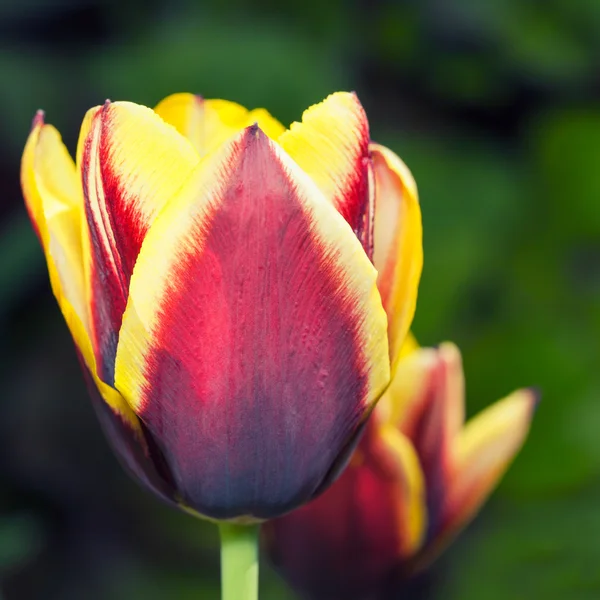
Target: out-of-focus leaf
(21, 537)
(540, 46)
(565, 159)
(22, 260)
(469, 198)
(506, 554)
(254, 63)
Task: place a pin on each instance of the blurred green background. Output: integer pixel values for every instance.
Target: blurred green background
(494, 105)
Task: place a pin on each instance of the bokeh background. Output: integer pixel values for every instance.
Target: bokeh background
(495, 106)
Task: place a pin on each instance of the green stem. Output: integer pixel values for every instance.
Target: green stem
(239, 561)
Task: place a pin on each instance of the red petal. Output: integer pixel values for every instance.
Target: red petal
(132, 164)
(254, 340)
(431, 417)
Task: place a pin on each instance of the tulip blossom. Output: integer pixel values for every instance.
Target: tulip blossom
(238, 293)
(416, 478)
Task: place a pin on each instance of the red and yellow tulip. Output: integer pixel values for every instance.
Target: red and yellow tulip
(416, 478)
(238, 293)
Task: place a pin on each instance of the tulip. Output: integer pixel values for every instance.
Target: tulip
(238, 293)
(415, 480)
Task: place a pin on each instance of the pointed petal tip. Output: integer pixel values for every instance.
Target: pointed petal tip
(38, 119)
(103, 109)
(450, 353)
(484, 451)
(529, 398)
(331, 145)
(536, 397)
(253, 133)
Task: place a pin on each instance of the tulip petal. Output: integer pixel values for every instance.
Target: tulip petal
(454, 380)
(404, 383)
(398, 249)
(207, 124)
(48, 178)
(482, 453)
(425, 400)
(31, 195)
(346, 542)
(132, 164)
(331, 145)
(254, 342)
(411, 501)
(53, 199)
(429, 384)
(84, 131)
(126, 437)
(409, 346)
(403, 400)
